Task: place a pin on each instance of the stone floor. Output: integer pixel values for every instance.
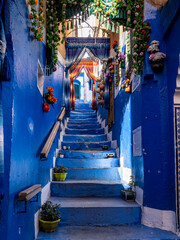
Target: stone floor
(137, 232)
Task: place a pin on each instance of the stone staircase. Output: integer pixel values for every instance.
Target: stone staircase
(91, 193)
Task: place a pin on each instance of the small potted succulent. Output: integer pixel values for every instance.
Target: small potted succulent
(61, 155)
(49, 216)
(129, 194)
(60, 173)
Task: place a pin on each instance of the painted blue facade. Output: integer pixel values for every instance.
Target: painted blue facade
(151, 108)
(26, 126)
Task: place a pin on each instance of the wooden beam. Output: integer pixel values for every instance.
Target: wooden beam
(61, 116)
(29, 193)
(50, 141)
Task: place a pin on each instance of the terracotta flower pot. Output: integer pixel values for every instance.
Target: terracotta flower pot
(46, 107)
(128, 89)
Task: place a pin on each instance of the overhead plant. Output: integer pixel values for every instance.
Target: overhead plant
(128, 13)
(53, 33)
(37, 18)
(49, 99)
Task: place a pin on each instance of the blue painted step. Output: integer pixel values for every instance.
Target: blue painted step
(88, 163)
(87, 154)
(83, 117)
(93, 174)
(74, 113)
(97, 211)
(77, 121)
(85, 145)
(84, 126)
(85, 138)
(84, 131)
(87, 188)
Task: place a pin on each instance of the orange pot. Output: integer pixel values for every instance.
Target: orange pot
(128, 89)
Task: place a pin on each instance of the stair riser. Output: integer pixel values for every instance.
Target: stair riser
(93, 174)
(83, 155)
(84, 126)
(80, 190)
(91, 121)
(73, 138)
(83, 117)
(88, 163)
(100, 216)
(85, 146)
(84, 131)
(83, 114)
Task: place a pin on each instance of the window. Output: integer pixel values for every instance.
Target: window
(40, 81)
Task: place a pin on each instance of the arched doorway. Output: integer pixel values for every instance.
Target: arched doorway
(77, 89)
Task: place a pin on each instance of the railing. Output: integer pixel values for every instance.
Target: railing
(50, 140)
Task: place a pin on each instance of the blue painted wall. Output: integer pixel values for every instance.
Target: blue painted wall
(26, 127)
(151, 107)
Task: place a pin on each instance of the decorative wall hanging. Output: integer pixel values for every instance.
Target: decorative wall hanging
(130, 14)
(156, 58)
(48, 99)
(37, 19)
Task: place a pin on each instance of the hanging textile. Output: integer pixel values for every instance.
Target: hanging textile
(2, 45)
(90, 68)
(75, 50)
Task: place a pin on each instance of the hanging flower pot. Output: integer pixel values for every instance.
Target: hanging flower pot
(46, 107)
(128, 89)
(102, 87)
(157, 67)
(55, 68)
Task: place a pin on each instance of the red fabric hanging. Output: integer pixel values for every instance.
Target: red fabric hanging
(91, 69)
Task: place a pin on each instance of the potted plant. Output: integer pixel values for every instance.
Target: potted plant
(61, 155)
(49, 216)
(60, 173)
(129, 194)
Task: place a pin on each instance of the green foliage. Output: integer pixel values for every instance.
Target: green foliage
(50, 211)
(60, 169)
(132, 183)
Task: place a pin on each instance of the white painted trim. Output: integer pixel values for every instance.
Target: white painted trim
(36, 224)
(162, 219)
(125, 173)
(109, 136)
(117, 152)
(114, 144)
(139, 195)
(45, 195)
(61, 59)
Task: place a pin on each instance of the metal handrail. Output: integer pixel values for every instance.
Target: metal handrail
(50, 140)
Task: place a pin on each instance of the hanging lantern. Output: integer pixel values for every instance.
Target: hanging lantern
(67, 25)
(117, 28)
(76, 25)
(109, 26)
(72, 24)
(113, 28)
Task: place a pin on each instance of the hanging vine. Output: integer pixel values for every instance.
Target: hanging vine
(37, 19)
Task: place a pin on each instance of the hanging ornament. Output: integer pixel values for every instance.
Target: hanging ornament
(117, 28)
(76, 24)
(113, 28)
(67, 25)
(72, 24)
(109, 26)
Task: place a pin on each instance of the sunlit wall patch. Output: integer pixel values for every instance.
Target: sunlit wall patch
(30, 125)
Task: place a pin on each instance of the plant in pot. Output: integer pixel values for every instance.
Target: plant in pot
(129, 194)
(60, 173)
(49, 216)
(61, 155)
